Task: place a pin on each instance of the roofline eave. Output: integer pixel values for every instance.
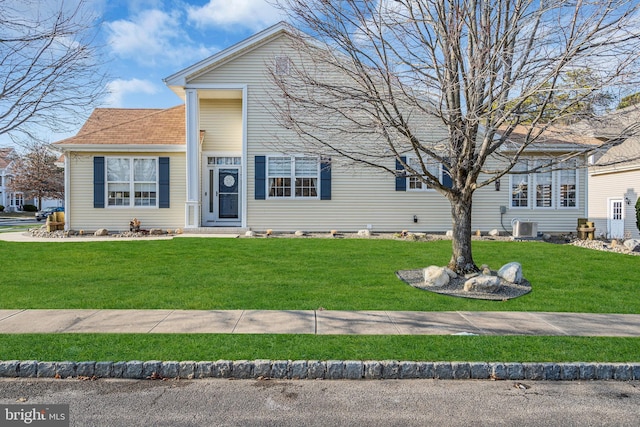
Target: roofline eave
(104, 148)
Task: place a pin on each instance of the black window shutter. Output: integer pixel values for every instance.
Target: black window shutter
(447, 181)
(98, 182)
(163, 181)
(401, 179)
(325, 179)
(261, 178)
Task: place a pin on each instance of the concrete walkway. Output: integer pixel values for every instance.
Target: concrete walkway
(319, 322)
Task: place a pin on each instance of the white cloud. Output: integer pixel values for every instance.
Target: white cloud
(252, 14)
(153, 37)
(119, 88)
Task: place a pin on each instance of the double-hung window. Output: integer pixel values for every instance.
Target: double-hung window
(414, 182)
(132, 182)
(544, 188)
(293, 177)
(568, 185)
(520, 186)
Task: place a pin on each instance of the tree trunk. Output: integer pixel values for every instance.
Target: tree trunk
(461, 257)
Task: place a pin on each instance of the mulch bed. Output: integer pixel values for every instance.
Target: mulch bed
(455, 287)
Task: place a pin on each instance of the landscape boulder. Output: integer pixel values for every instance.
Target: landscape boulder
(511, 272)
(364, 233)
(482, 284)
(250, 233)
(632, 244)
(436, 276)
(494, 232)
(101, 232)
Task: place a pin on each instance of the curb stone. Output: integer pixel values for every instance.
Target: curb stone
(328, 370)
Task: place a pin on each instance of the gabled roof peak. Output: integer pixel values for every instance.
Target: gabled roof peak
(179, 79)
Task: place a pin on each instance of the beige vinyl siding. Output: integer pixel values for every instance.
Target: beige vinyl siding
(368, 197)
(618, 185)
(221, 119)
(81, 215)
(359, 196)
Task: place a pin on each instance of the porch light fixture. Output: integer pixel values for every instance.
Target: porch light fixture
(497, 183)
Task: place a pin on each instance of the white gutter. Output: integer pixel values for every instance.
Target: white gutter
(95, 148)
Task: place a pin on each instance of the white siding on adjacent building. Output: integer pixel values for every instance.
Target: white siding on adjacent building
(81, 215)
(614, 185)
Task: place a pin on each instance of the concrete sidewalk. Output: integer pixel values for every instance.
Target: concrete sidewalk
(318, 322)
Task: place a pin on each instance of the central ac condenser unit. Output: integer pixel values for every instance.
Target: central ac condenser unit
(525, 228)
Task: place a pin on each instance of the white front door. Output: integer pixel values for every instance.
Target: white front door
(616, 219)
(222, 193)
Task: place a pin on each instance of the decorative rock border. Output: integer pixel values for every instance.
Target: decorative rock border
(318, 369)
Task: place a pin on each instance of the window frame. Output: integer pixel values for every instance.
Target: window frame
(538, 181)
(292, 178)
(132, 184)
(576, 197)
(414, 179)
(532, 181)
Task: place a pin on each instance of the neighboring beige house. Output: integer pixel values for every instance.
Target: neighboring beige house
(212, 163)
(614, 177)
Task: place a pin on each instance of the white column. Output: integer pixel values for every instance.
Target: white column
(67, 189)
(192, 206)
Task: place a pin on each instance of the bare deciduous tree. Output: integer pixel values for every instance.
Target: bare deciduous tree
(36, 174)
(408, 68)
(50, 77)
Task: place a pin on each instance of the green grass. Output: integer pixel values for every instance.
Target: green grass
(302, 274)
(14, 228)
(340, 274)
(124, 347)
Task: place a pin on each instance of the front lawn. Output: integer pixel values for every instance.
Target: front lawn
(300, 274)
(304, 274)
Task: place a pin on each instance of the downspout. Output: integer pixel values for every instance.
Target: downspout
(67, 190)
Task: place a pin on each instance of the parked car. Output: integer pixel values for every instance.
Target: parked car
(43, 214)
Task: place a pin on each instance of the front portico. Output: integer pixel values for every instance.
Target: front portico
(216, 150)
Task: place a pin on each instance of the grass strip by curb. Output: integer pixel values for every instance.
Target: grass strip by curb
(117, 347)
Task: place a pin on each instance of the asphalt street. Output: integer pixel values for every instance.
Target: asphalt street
(222, 402)
(8, 221)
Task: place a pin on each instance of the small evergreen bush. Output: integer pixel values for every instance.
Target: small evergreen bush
(29, 208)
(1, 208)
(638, 214)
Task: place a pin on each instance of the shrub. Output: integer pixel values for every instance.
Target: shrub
(1, 208)
(29, 208)
(638, 214)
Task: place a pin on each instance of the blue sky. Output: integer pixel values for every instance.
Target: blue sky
(148, 40)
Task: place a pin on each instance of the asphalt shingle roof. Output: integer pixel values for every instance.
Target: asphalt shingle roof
(132, 127)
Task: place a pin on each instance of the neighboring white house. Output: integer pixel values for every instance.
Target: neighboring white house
(614, 177)
(12, 201)
(213, 162)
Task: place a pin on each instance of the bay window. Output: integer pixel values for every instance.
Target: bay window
(550, 189)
